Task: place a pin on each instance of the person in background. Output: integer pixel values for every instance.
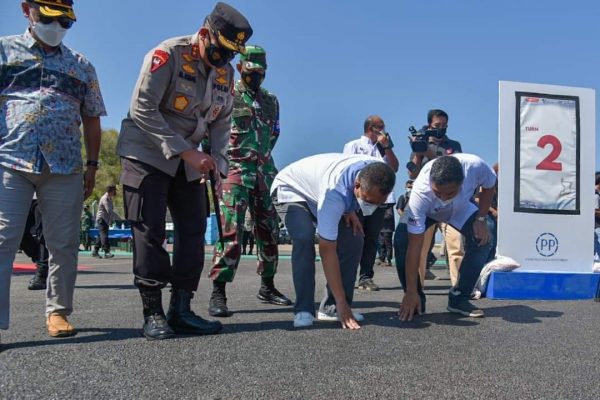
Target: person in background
(105, 216)
(597, 218)
(87, 223)
(385, 237)
(34, 245)
(248, 238)
(437, 146)
(374, 142)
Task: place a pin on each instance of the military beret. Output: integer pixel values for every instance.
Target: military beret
(255, 58)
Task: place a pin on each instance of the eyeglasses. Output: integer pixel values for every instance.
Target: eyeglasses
(65, 22)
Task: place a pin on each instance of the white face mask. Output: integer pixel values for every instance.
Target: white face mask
(446, 202)
(366, 207)
(51, 34)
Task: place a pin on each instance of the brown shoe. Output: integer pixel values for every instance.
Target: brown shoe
(58, 326)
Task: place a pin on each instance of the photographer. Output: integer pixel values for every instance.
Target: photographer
(437, 144)
(375, 142)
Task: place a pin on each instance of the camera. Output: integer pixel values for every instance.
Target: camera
(420, 137)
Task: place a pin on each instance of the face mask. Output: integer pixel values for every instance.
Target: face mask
(218, 56)
(51, 34)
(446, 202)
(408, 191)
(253, 79)
(366, 207)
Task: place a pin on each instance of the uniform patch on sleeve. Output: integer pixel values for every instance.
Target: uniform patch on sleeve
(159, 58)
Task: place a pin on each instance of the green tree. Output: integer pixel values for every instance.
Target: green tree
(109, 171)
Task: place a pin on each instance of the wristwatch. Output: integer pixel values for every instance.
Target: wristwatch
(92, 163)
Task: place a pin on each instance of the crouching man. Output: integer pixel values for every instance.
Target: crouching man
(327, 190)
(442, 193)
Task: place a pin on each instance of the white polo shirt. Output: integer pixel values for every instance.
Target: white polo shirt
(364, 146)
(424, 203)
(326, 183)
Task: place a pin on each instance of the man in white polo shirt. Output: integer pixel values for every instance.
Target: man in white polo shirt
(442, 193)
(375, 142)
(327, 190)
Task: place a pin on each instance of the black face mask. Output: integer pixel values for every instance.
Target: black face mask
(218, 56)
(253, 79)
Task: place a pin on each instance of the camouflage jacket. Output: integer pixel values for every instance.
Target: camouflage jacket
(254, 131)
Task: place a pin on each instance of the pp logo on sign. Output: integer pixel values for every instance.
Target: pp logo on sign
(546, 244)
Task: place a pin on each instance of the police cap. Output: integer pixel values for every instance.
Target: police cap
(231, 27)
(56, 8)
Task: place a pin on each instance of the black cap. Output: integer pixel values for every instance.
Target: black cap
(56, 8)
(231, 27)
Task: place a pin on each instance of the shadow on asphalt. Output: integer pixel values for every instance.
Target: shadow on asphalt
(520, 314)
(122, 287)
(103, 335)
(79, 272)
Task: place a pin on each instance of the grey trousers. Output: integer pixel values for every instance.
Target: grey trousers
(300, 223)
(60, 199)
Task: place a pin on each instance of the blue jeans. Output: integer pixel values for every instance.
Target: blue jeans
(474, 259)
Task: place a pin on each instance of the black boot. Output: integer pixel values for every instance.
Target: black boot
(217, 306)
(269, 294)
(183, 320)
(38, 282)
(155, 323)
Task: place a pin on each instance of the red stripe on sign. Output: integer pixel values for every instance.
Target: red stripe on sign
(32, 268)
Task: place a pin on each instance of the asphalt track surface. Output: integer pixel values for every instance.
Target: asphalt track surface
(521, 350)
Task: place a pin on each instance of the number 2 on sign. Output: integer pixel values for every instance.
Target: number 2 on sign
(548, 163)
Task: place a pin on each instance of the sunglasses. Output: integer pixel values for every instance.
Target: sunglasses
(65, 22)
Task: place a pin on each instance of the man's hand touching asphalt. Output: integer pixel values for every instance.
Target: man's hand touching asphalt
(410, 306)
(346, 318)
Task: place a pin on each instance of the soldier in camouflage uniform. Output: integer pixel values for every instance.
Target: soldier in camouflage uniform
(254, 131)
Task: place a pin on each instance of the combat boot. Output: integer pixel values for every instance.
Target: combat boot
(38, 281)
(269, 294)
(155, 323)
(183, 320)
(217, 306)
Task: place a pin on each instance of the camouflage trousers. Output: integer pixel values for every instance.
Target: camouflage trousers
(226, 258)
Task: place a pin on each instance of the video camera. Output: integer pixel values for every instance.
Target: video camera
(420, 137)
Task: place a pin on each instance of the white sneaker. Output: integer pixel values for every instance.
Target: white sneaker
(303, 319)
(332, 316)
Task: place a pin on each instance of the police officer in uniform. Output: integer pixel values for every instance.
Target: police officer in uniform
(184, 93)
(254, 132)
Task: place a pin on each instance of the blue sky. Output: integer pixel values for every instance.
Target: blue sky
(332, 63)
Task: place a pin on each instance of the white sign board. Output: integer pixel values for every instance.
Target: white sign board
(546, 176)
